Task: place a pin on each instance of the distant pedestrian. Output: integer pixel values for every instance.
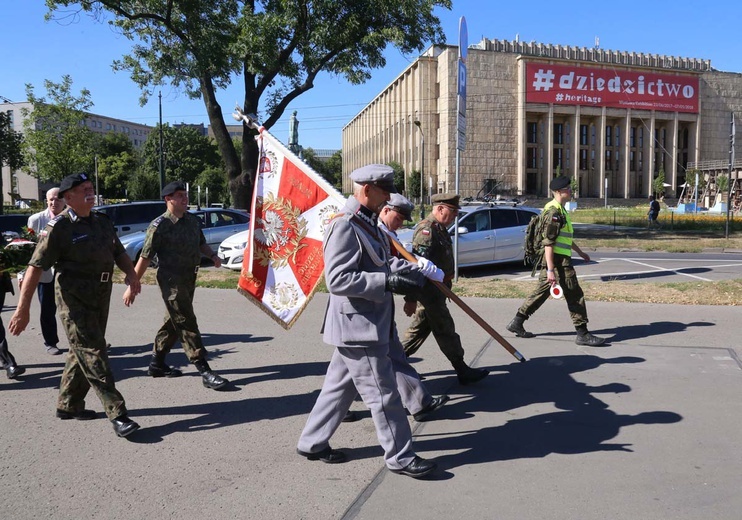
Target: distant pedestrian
(556, 268)
(82, 246)
(48, 319)
(653, 213)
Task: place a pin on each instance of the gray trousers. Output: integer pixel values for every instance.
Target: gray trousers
(368, 372)
(414, 395)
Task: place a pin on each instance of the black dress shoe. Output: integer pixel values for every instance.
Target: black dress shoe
(328, 455)
(436, 403)
(82, 415)
(163, 370)
(351, 417)
(419, 467)
(123, 426)
(14, 371)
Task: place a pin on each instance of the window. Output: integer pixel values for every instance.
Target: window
(531, 158)
(583, 135)
(608, 138)
(531, 133)
(558, 133)
(632, 137)
(503, 218)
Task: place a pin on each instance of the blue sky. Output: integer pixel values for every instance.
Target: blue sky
(32, 50)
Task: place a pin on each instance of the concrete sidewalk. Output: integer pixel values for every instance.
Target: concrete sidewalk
(645, 428)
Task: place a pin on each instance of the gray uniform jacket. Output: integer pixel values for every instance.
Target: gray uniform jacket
(360, 312)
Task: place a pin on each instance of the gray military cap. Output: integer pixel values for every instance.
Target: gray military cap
(401, 205)
(379, 175)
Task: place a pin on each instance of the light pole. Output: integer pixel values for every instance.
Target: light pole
(422, 169)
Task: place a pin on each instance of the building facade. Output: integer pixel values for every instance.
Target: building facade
(19, 185)
(611, 120)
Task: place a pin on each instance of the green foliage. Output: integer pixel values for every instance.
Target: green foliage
(11, 148)
(413, 184)
(398, 175)
(144, 185)
(117, 162)
(658, 183)
(213, 178)
(334, 167)
(722, 183)
(58, 143)
(186, 154)
(276, 48)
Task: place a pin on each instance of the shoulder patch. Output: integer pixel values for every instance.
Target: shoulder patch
(425, 231)
(55, 220)
(156, 222)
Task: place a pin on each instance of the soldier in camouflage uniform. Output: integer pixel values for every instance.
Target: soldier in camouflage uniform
(177, 240)
(82, 246)
(557, 240)
(432, 241)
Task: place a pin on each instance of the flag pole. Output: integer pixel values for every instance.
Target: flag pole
(251, 121)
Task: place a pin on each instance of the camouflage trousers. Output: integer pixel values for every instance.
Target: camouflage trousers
(433, 316)
(567, 278)
(87, 364)
(180, 320)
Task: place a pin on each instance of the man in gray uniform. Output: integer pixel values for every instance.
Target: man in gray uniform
(359, 322)
(415, 396)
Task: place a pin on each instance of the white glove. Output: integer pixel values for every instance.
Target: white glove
(429, 269)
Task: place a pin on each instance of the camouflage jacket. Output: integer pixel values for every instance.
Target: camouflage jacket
(176, 242)
(431, 240)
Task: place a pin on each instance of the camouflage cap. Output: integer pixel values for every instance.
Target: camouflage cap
(448, 198)
(401, 205)
(171, 188)
(379, 175)
(71, 181)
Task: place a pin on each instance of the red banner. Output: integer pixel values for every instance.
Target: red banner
(617, 88)
(291, 205)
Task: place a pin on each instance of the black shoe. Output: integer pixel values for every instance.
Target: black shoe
(419, 467)
(351, 417)
(328, 455)
(213, 381)
(468, 375)
(14, 371)
(163, 371)
(516, 327)
(82, 415)
(589, 340)
(436, 403)
(123, 426)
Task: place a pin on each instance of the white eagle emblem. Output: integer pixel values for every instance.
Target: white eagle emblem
(272, 232)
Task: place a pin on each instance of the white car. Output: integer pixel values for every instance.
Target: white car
(232, 250)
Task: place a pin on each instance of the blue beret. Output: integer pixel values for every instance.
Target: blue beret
(380, 175)
(71, 181)
(171, 188)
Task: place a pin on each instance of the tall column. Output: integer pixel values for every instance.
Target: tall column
(626, 152)
(549, 149)
(601, 152)
(576, 144)
(674, 162)
(521, 121)
(651, 146)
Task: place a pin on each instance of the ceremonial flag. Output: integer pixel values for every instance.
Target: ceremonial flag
(291, 206)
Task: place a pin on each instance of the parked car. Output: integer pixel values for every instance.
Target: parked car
(488, 234)
(11, 226)
(232, 250)
(217, 224)
(130, 217)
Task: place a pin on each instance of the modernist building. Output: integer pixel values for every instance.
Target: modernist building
(612, 120)
(20, 185)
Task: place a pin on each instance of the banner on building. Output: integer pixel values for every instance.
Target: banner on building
(291, 206)
(616, 88)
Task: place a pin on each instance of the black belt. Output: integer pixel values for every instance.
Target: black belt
(105, 276)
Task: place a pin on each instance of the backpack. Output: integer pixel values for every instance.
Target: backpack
(533, 253)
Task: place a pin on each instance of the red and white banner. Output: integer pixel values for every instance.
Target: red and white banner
(618, 88)
(291, 206)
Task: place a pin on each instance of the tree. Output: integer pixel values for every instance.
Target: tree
(658, 184)
(277, 48)
(11, 149)
(413, 185)
(117, 163)
(334, 166)
(399, 176)
(186, 154)
(58, 143)
(214, 179)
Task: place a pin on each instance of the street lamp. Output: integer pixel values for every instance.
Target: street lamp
(422, 169)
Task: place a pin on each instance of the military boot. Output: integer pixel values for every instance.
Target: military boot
(210, 379)
(158, 368)
(516, 326)
(468, 375)
(8, 361)
(588, 340)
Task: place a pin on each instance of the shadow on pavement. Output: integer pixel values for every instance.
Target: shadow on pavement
(583, 423)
